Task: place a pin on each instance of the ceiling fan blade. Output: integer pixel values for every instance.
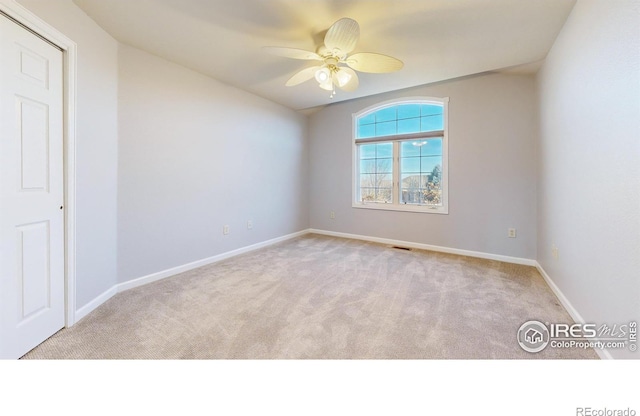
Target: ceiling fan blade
(302, 76)
(374, 63)
(292, 53)
(346, 79)
(343, 35)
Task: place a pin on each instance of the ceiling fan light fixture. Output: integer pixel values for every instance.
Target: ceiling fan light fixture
(327, 85)
(342, 78)
(323, 75)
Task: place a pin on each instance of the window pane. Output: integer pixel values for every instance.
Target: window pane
(430, 109)
(368, 119)
(384, 181)
(434, 177)
(384, 165)
(408, 111)
(432, 195)
(367, 194)
(410, 125)
(368, 180)
(376, 172)
(367, 130)
(433, 147)
(410, 164)
(386, 129)
(429, 163)
(368, 166)
(432, 191)
(410, 148)
(367, 151)
(411, 180)
(410, 196)
(384, 150)
(386, 114)
(426, 178)
(401, 119)
(421, 177)
(431, 123)
(425, 196)
(384, 195)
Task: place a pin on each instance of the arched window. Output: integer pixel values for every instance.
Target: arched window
(400, 156)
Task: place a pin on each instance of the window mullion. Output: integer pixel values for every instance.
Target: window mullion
(396, 173)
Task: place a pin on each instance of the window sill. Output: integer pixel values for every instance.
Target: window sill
(405, 207)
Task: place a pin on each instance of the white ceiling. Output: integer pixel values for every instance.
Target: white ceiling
(436, 39)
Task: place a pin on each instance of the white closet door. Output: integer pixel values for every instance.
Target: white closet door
(31, 190)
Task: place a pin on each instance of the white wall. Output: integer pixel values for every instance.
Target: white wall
(96, 141)
(194, 155)
(589, 165)
(492, 130)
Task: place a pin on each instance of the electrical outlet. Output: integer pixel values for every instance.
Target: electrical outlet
(249, 225)
(332, 215)
(554, 251)
(225, 230)
(512, 233)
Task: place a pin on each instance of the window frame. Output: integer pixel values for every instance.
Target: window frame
(396, 139)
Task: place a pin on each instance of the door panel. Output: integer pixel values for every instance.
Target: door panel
(33, 269)
(31, 190)
(34, 144)
(34, 67)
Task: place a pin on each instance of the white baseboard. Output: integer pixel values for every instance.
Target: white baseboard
(603, 354)
(561, 297)
(121, 287)
(97, 301)
(421, 246)
(199, 263)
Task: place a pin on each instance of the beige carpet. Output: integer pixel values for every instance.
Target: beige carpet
(322, 297)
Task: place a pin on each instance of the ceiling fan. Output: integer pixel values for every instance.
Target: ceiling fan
(337, 66)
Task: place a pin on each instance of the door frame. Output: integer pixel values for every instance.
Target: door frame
(69, 49)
